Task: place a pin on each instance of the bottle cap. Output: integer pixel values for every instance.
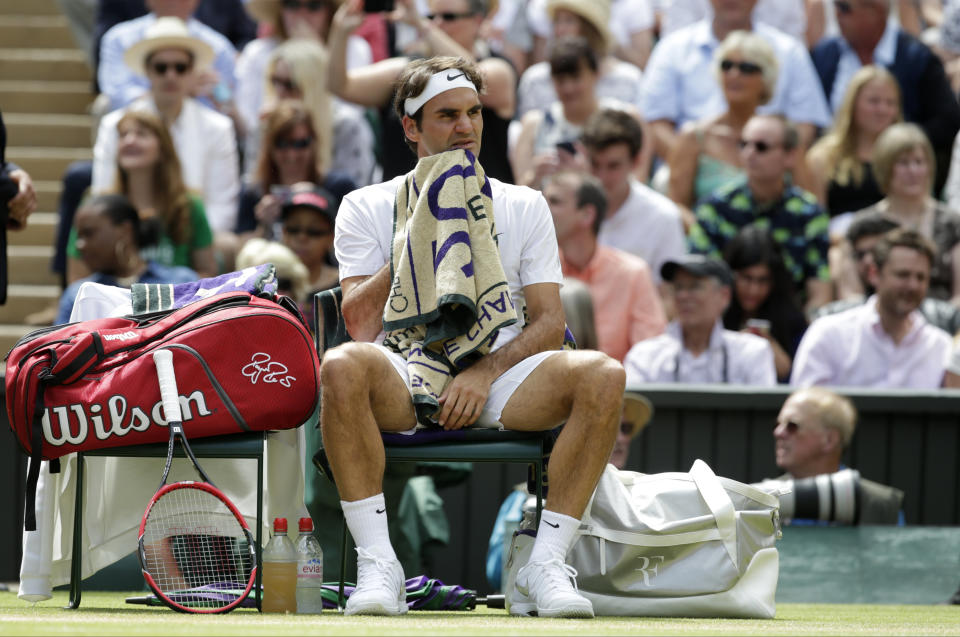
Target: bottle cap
(279, 525)
(306, 525)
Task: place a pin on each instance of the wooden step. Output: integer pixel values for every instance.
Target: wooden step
(29, 7)
(25, 129)
(23, 300)
(30, 265)
(46, 162)
(40, 96)
(40, 231)
(43, 31)
(46, 64)
(48, 194)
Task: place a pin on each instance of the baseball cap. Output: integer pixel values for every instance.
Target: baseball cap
(318, 199)
(697, 265)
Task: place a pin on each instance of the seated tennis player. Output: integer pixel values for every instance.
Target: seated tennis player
(451, 294)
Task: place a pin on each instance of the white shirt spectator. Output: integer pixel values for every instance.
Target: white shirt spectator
(647, 225)
(680, 85)
(118, 81)
(735, 358)
(207, 148)
(617, 80)
(851, 349)
(790, 16)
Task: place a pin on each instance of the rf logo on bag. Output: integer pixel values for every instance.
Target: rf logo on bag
(646, 569)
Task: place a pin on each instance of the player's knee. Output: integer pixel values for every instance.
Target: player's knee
(341, 370)
(601, 375)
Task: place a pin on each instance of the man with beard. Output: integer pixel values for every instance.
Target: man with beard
(886, 342)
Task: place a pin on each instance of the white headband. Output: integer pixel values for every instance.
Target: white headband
(439, 83)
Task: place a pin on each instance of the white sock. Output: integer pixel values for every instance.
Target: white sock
(367, 521)
(554, 536)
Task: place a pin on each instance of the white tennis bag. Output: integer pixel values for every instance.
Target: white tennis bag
(673, 545)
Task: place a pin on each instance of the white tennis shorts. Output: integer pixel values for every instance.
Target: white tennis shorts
(500, 391)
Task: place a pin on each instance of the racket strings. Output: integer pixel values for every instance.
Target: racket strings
(194, 548)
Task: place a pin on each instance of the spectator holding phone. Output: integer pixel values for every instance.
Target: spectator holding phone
(288, 156)
(763, 301)
(546, 141)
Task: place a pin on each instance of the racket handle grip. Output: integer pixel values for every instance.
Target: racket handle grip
(163, 359)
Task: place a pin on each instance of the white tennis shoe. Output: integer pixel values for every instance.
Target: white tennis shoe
(381, 588)
(549, 589)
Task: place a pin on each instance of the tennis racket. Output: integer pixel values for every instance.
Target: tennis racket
(192, 538)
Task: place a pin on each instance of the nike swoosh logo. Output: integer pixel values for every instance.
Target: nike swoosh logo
(384, 511)
(451, 78)
(556, 526)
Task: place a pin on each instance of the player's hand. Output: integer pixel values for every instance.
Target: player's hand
(463, 399)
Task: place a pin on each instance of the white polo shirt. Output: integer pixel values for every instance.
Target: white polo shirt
(525, 236)
(735, 358)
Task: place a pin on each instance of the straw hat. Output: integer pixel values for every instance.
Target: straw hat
(637, 409)
(167, 33)
(596, 12)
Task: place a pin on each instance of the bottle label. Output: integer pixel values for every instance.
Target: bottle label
(310, 569)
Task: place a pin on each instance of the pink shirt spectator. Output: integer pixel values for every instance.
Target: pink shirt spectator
(852, 349)
(626, 306)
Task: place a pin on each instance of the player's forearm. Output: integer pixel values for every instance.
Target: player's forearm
(540, 335)
(363, 304)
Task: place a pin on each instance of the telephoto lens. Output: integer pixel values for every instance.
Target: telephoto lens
(831, 497)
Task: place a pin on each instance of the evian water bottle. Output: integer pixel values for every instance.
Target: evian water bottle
(309, 570)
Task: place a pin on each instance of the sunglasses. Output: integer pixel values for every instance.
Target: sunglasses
(745, 68)
(282, 84)
(296, 144)
(761, 146)
(627, 428)
(309, 5)
(449, 16)
(790, 427)
(843, 7)
(161, 68)
(313, 233)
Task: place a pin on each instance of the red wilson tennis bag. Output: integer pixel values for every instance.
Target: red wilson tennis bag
(243, 363)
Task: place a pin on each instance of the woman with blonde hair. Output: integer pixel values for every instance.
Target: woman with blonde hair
(149, 174)
(297, 70)
(285, 20)
(707, 153)
(842, 177)
(288, 156)
(904, 163)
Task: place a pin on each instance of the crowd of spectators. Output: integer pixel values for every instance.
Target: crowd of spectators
(777, 141)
